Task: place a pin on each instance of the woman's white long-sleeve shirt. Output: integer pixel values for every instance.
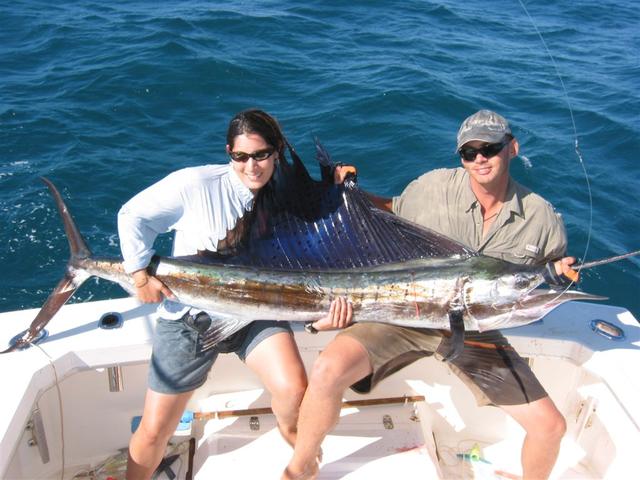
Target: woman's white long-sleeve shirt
(200, 204)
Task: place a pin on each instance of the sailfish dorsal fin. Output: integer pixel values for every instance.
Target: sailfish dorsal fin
(303, 223)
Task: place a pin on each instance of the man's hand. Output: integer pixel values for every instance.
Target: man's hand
(340, 315)
(341, 171)
(560, 274)
(563, 267)
(148, 288)
(340, 174)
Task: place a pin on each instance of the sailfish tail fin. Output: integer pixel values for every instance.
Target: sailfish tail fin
(73, 277)
(77, 245)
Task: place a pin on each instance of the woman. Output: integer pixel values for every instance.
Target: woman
(206, 206)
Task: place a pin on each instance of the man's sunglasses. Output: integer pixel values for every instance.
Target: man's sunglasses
(258, 155)
(469, 154)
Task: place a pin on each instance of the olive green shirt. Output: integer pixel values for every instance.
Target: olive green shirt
(527, 229)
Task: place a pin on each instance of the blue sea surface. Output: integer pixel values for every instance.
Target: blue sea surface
(105, 98)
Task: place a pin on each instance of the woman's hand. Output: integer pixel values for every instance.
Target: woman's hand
(148, 288)
(340, 315)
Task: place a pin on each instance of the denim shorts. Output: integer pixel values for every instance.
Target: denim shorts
(177, 363)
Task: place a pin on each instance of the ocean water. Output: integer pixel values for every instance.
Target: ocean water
(105, 98)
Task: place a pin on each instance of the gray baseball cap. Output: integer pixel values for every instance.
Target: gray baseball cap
(485, 126)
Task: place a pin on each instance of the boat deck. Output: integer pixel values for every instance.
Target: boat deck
(375, 442)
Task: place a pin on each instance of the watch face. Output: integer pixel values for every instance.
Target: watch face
(309, 328)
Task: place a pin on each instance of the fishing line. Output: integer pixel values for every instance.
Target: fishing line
(576, 142)
(60, 410)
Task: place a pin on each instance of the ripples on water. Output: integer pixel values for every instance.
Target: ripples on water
(106, 98)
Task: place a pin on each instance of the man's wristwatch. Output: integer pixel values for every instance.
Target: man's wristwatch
(309, 328)
(553, 279)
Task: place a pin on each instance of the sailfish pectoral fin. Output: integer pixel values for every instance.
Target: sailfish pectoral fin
(219, 330)
(456, 323)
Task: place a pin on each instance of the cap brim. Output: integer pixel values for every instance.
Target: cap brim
(488, 137)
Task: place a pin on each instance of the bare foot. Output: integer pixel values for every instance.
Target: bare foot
(310, 473)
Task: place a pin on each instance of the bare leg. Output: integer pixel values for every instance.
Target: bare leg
(277, 362)
(545, 427)
(342, 363)
(160, 417)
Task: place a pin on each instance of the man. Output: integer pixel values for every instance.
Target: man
(481, 206)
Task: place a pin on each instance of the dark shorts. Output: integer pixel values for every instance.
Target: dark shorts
(177, 364)
(488, 365)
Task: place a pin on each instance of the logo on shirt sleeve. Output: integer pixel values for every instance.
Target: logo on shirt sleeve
(532, 248)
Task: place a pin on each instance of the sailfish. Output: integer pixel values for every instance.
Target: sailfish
(310, 241)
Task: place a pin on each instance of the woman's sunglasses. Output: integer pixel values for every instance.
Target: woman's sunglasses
(258, 155)
(469, 154)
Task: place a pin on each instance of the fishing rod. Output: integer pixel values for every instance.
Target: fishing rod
(604, 261)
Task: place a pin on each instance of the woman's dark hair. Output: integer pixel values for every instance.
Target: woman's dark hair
(254, 121)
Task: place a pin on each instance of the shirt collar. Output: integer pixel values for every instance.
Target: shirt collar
(469, 200)
(512, 201)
